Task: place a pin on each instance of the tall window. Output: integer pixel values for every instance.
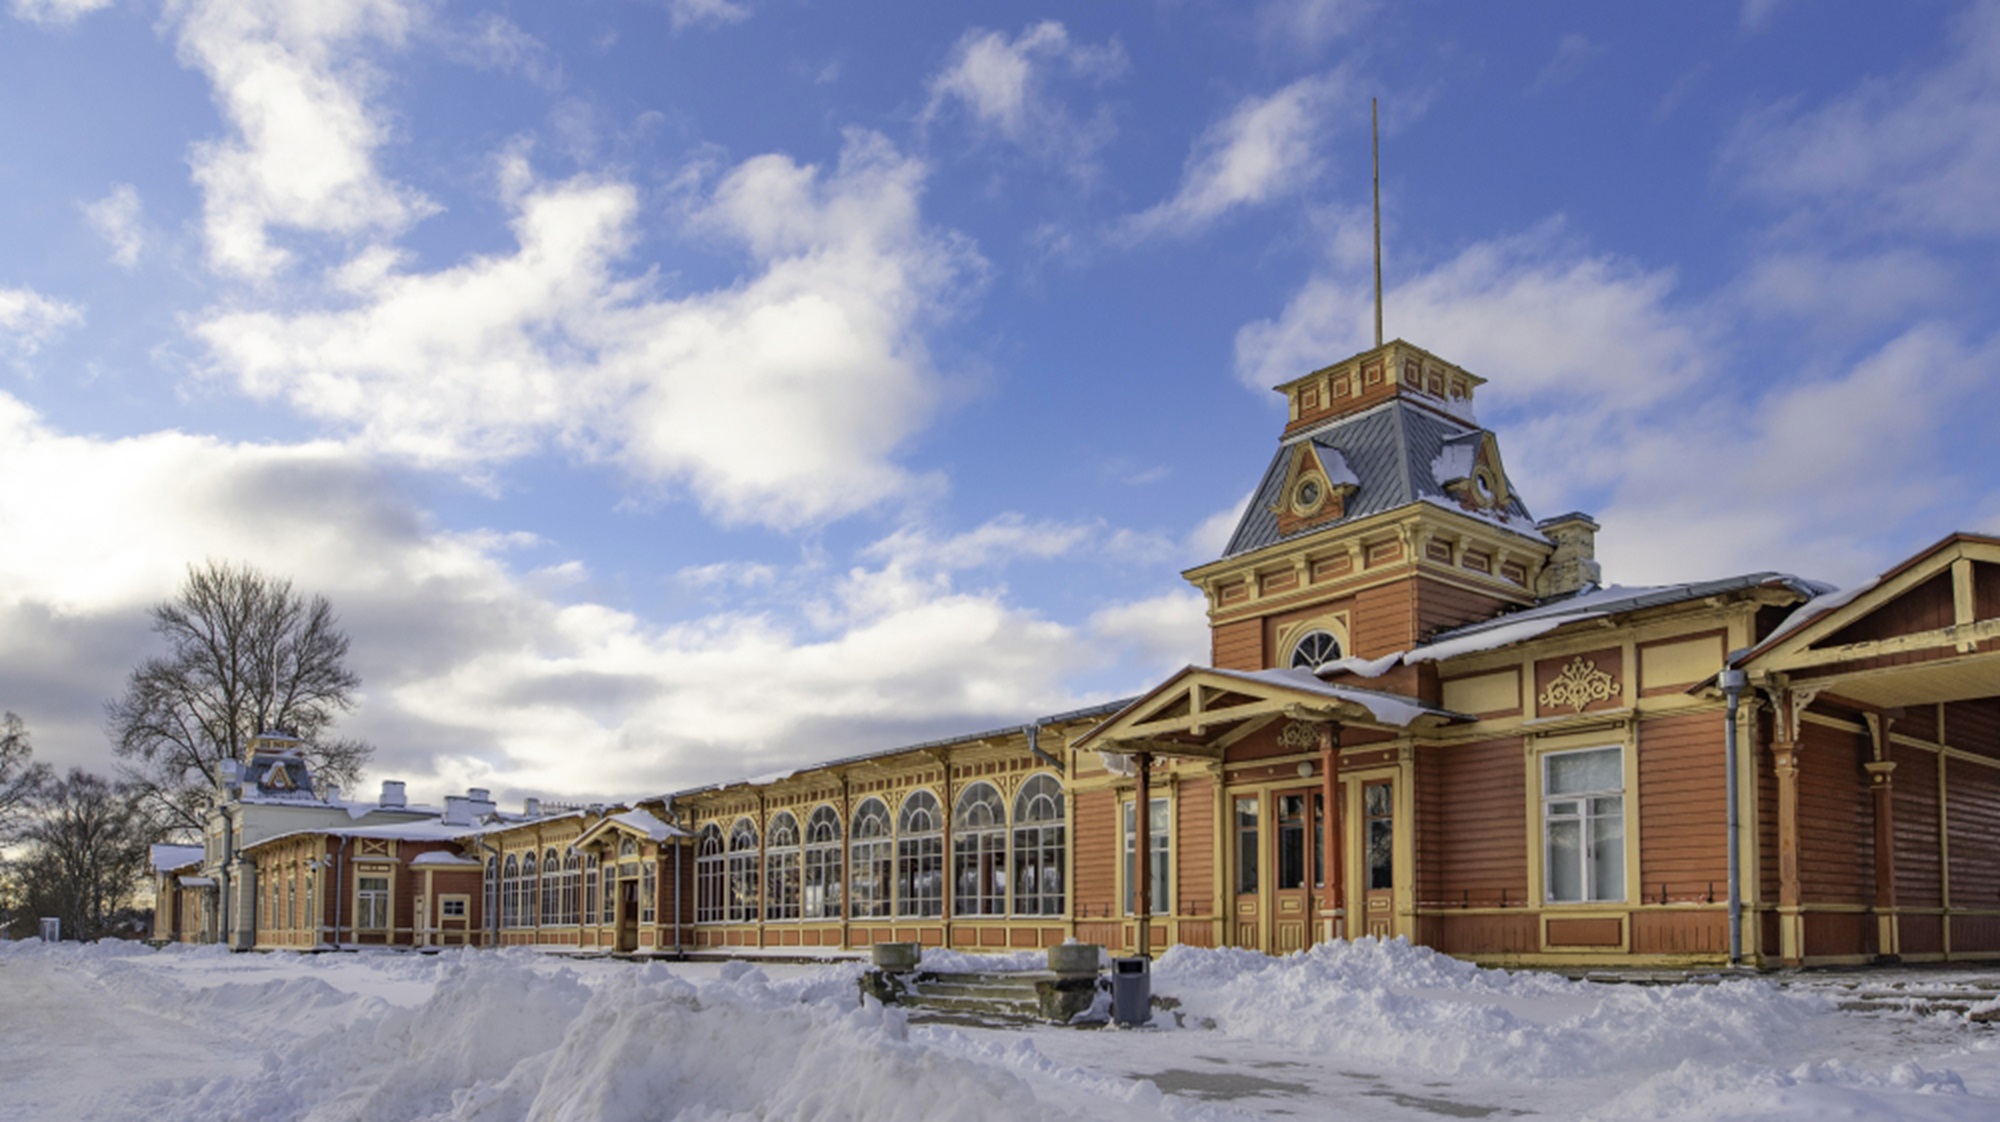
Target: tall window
(510, 889)
(1583, 821)
(1378, 810)
(530, 888)
(979, 852)
(591, 882)
(1040, 844)
(822, 878)
(551, 889)
(371, 911)
(649, 891)
(312, 912)
(1246, 845)
(743, 872)
(572, 885)
(711, 874)
(492, 888)
(920, 857)
(1161, 902)
(873, 857)
(291, 905)
(781, 867)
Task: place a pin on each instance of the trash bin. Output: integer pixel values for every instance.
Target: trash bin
(1132, 990)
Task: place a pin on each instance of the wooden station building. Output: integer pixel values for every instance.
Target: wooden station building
(1424, 717)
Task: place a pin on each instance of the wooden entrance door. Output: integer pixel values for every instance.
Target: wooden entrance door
(1246, 858)
(1378, 859)
(628, 915)
(1297, 866)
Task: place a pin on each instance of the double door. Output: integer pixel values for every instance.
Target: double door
(1278, 863)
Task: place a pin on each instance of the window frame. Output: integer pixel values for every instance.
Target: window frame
(979, 852)
(871, 861)
(1041, 849)
(920, 857)
(1160, 853)
(821, 865)
(1584, 819)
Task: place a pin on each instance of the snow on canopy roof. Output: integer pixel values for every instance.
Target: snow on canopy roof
(1519, 627)
(1392, 453)
(1387, 708)
(440, 857)
(1098, 710)
(648, 825)
(167, 858)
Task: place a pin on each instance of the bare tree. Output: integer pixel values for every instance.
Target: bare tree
(87, 844)
(246, 654)
(20, 778)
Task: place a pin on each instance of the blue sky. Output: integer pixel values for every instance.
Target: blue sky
(671, 391)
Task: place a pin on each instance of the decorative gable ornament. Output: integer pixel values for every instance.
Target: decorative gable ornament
(1579, 684)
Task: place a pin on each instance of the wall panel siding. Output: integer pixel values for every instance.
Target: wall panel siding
(1683, 811)
(1096, 831)
(1919, 880)
(1382, 620)
(1680, 932)
(1836, 840)
(1973, 811)
(1974, 726)
(1472, 803)
(1238, 645)
(1194, 842)
(1442, 606)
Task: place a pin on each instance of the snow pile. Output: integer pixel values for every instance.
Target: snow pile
(1394, 1003)
(1828, 1088)
(941, 961)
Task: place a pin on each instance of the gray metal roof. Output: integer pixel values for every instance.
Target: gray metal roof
(1391, 449)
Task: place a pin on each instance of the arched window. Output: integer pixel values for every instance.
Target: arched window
(710, 875)
(572, 887)
(743, 872)
(1314, 648)
(492, 891)
(822, 865)
(510, 884)
(529, 887)
(590, 888)
(872, 857)
(979, 853)
(920, 857)
(1039, 847)
(551, 889)
(781, 867)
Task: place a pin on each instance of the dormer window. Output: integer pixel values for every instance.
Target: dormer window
(1314, 649)
(1308, 496)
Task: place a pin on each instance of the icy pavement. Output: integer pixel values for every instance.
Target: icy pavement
(1363, 1030)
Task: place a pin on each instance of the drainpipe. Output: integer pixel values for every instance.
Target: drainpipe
(1733, 682)
(1034, 735)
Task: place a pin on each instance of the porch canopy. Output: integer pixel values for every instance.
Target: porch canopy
(1200, 711)
(1924, 633)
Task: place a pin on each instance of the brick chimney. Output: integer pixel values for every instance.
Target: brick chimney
(1574, 562)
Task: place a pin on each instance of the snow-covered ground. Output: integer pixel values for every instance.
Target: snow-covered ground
(1363, 1030)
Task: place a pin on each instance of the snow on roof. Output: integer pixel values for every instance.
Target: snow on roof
(440, 857)
(1518, 627)
(1387, 708)
(197, 882)
(1816, 607)
(648, 825)
(167, 858)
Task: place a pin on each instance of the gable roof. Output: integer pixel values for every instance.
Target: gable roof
(1398, 452)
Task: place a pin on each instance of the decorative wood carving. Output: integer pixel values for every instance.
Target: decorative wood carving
(1579, 684)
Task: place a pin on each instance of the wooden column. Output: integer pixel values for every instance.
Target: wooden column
(1785, 763)
(1142, 852)
(1888, 933)
(1333, 909)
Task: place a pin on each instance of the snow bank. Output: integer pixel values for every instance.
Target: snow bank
(942, 961)
(1397, 1004)
(1824, 1089)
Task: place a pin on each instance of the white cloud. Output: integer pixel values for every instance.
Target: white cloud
(29, 321)
(1311, 24)
(1005, 538)
(494, 42)
(1265, 149)
(1846, 294)
(1573, 53)
(1166, 632)
(56, 11)
(474, 670)
(779, 400)
(115, 218)
(1920, 151)
(1756, 14)
(684, 14)
(1002, 84)
(290, 79)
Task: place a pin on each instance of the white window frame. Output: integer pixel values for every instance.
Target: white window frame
(1583, 810)
(1160, 851)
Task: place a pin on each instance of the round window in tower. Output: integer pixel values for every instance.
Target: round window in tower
(1314, 649)
(1308, 496)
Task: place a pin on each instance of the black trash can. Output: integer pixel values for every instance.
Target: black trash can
(1132, 990)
